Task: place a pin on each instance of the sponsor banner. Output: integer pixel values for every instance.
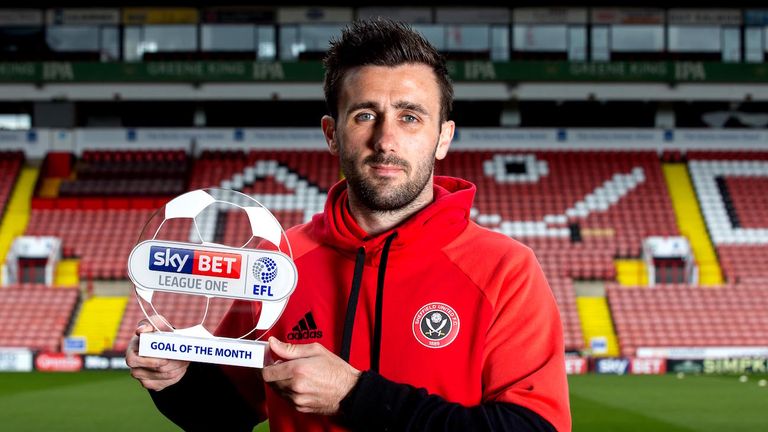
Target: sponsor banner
(458, 15)
(233, 352)
(688, 366)
(20, 17)
(95, 362)
(624, 138)
(704, 16)
(701, 353)
(721, 138)
(82, 16)
(575, 365)
(550, 16)
(134, 16)
(58, 362)
(239, 15)
(614, 366)
(15, 360)
(333, 15)
(648, 366)
(11, 138)
(491, 138)
(37, 142)
(310, 71)
(627, 16)
(173, 71)
(413, 15)
(721, 366)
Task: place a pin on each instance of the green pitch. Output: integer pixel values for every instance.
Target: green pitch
(114, 402)
(667, 403)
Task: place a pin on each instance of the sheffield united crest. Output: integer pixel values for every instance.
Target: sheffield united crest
(436, 325)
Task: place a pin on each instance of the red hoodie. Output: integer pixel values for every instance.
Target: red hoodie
(465, 312)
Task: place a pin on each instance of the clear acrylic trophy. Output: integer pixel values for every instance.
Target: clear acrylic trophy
(196, 256)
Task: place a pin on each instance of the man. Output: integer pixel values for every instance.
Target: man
(425, 320)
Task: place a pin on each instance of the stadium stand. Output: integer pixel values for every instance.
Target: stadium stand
(186, 77)
(731, 189)
(101, 238)
(689, 316)
(35, 316)
(578, 210)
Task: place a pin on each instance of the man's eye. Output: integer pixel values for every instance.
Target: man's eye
(365, 116)
(410, 119)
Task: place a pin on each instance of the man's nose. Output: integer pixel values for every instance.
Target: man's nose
(385, 139)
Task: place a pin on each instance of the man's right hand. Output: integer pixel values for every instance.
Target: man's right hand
(153, 373)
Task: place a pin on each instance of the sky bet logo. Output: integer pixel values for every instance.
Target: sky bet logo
(195, 262)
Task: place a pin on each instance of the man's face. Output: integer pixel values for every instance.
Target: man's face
(388, 134)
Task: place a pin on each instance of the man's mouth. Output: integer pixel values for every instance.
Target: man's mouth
(381, 168)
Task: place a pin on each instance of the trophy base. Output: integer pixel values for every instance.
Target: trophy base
(224, 351)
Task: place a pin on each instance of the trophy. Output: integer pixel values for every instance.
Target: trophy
(195, 257)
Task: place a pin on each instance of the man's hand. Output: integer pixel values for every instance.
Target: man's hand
(312, 378)
(153, 373)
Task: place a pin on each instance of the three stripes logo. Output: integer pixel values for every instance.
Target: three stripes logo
(305, 329)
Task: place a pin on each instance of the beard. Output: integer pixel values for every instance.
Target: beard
(379, 194)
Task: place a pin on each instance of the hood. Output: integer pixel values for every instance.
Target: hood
(432, 227)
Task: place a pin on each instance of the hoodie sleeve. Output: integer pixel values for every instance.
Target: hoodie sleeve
(378, 404)
(181, 402)
(524, 354)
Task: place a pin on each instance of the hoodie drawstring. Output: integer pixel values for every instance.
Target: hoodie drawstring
(354, 295)
(376, 344)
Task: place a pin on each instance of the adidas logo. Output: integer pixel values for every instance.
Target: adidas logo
(305, 329)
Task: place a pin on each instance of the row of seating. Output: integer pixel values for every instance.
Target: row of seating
(10, 166)
(102, 239)
(689, 316)
(35, 316)
(115, 164)
(562, 288)
(750, 207)
(135, 187)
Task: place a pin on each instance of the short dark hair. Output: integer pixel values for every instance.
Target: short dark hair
(382, 42)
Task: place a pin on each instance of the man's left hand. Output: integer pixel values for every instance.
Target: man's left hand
(309, 376)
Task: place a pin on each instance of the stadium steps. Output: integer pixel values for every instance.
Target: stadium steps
(98, 322)
(596, 322)
(631, 272)
(691, 224)
(67, 273)
(17, 213)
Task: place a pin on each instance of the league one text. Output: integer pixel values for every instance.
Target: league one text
(213, 271)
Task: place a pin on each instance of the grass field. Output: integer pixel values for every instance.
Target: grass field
(113, 402)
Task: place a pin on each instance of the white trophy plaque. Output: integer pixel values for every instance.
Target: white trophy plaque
(196, 255)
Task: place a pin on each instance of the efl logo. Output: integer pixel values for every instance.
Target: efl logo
(195, 262)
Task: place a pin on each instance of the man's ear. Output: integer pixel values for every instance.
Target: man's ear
(328, 124)
(444, 141)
